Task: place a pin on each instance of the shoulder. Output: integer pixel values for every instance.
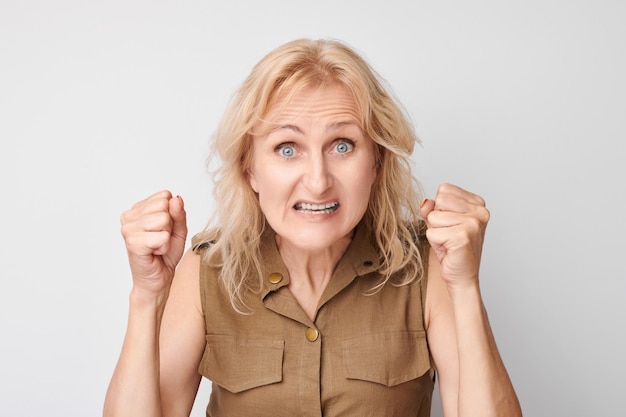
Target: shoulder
(204, 240)
(185, 284)
(208, 263)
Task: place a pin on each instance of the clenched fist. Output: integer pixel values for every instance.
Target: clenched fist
(456, 221)
(155, 230)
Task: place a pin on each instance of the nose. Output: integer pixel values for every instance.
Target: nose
(317, 178)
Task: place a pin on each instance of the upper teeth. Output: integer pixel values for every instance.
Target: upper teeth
(307, 206)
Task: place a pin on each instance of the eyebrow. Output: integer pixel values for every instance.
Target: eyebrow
(332, 126)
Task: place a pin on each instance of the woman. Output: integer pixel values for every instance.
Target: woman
(326, 288)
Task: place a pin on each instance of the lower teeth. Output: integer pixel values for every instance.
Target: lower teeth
(325, 211)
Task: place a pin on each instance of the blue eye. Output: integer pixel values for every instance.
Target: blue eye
(344, 147)
(287, 151)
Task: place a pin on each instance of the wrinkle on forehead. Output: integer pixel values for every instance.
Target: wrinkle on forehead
(292, 104)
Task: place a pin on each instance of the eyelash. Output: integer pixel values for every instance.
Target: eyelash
(282, 146)
(344, 141)
(278, 149)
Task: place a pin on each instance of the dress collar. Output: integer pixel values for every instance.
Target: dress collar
(359, 259)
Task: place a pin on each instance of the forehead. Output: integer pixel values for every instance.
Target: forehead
(333, 102)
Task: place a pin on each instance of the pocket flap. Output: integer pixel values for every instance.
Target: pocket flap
(386, 358)
(242, 363)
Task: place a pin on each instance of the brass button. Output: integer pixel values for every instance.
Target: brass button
(311, 334)
(275, 277)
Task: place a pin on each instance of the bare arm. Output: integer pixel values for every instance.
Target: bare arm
(165, 335)
(472, 377)
(182, 340)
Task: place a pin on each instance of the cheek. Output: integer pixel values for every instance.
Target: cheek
(269, 180)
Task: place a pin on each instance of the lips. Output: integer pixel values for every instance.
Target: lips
(326, 208)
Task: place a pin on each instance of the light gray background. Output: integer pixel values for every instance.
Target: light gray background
(104, 103)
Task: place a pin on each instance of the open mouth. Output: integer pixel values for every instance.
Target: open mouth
(327, 208)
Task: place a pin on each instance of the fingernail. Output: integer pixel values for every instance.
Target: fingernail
(423, 202)
(182, 203)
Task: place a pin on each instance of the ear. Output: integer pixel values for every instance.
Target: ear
(252, 181)
(374, 173)
(376, 165)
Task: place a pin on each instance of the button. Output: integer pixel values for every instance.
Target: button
(311, 334)
(275, 277)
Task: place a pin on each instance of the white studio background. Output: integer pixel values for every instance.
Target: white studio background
(522, 102)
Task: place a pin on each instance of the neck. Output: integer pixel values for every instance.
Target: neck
(310, 270)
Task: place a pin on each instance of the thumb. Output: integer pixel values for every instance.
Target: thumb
(426, 207)
(179, 217)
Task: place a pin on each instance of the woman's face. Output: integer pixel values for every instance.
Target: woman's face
(312, 167)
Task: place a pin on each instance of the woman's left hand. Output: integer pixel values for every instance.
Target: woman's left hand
(456, 220)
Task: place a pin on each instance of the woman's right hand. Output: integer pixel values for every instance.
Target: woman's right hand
(155, 230)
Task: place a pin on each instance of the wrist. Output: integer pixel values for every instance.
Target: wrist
(463, 288)
(466, 296)
(147, 300)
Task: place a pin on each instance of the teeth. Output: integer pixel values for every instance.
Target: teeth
(320, 208)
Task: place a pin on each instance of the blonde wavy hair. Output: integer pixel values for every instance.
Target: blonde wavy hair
(392, 214)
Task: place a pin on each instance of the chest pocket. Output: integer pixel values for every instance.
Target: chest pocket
(241, 363)
(386, 358)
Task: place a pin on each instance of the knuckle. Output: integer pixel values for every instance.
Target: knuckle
(474, 225)
(482, 215)
(486, 215)
(162, 204)
(442, 199)
(163, 220)
(444, 187)
(125, 216)
(131, 243)
(125, 230)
